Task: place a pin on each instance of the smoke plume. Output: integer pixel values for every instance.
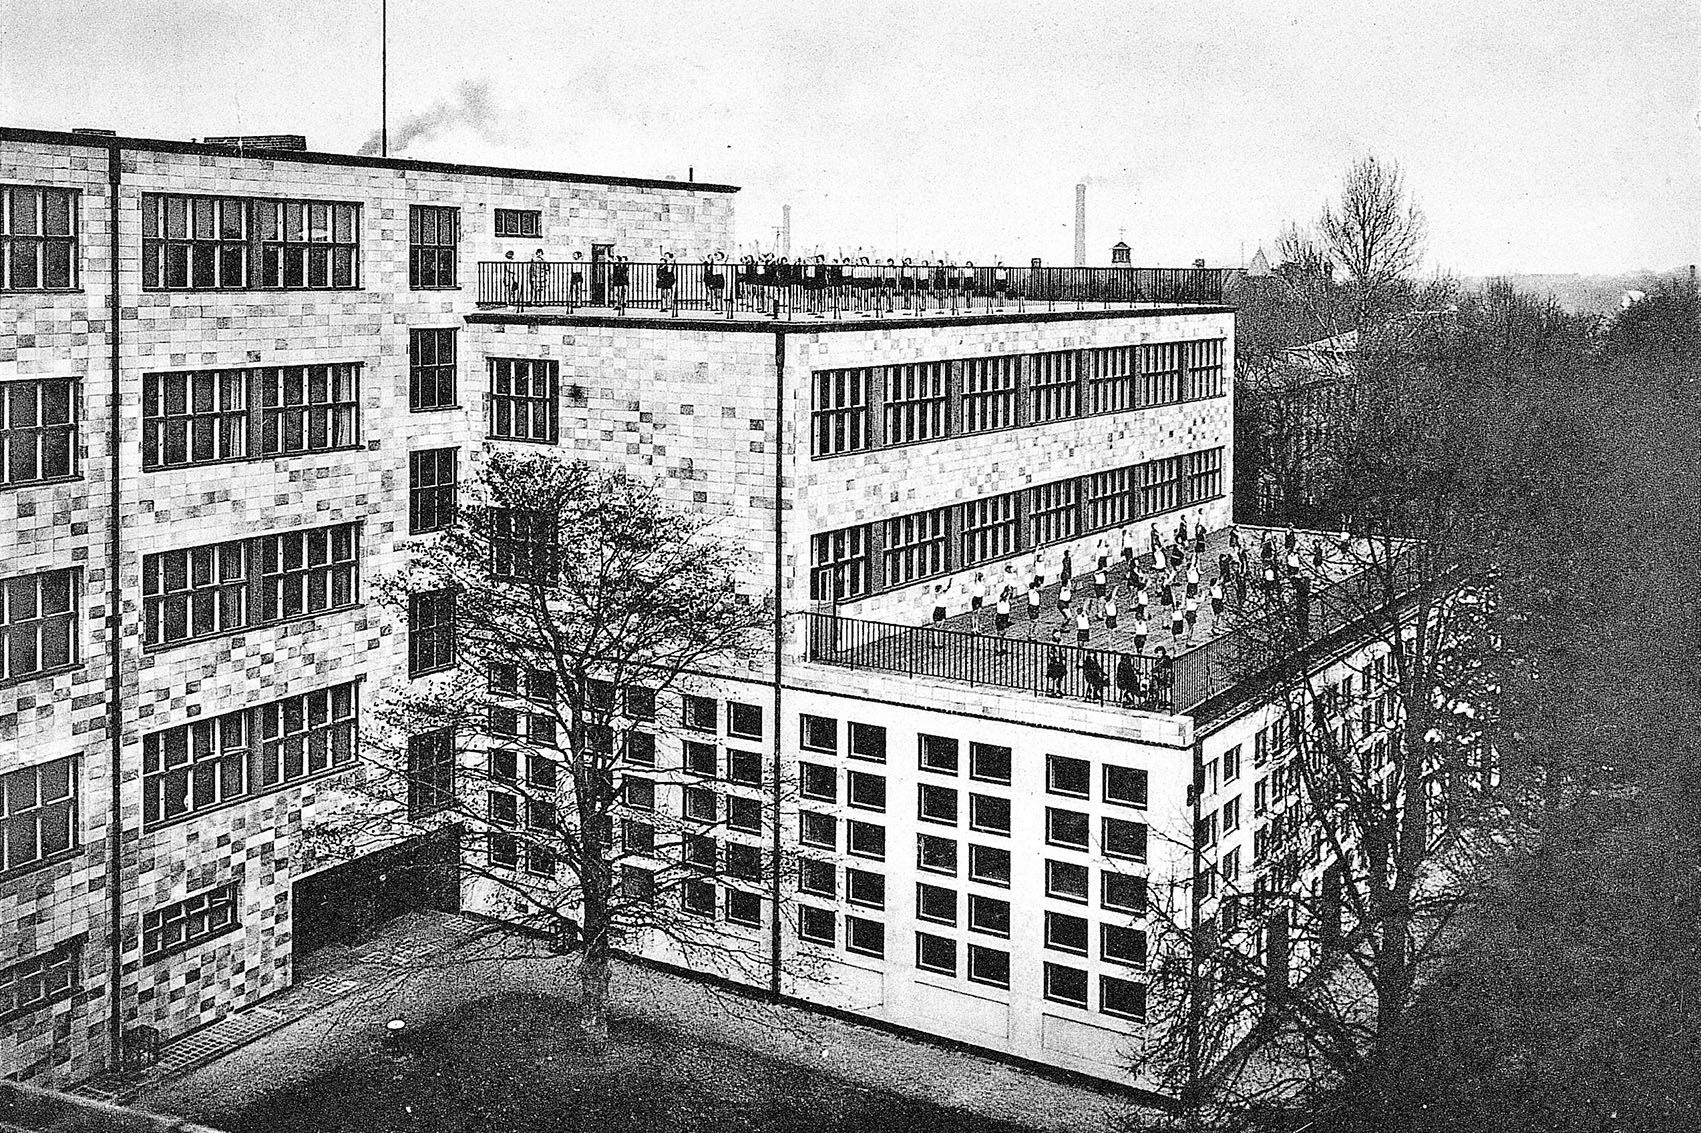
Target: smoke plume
(470, 107)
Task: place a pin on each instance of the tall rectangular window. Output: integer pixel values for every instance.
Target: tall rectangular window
(839, 421)
(519, 222)
(38, 239)
(431, 772)
(1110, 498)
(1204, 369)
(431, 489)
(201, 592)
(207, 416)
(838, 569)
(1161, 364)
(38, 623)
(181, 926)
(1204, 474)
(524, 545)
(431, 368)
(990, 386)
(38, 430)
(194, 417)
(991, 529)
(915, 402)
(1111, 378)
(203, 243)
(525, 400)
(1160, 485)
(1053, 393)
(38, 814)
(434, 234)
(1055, 512)
(915, 546)
(431, 632)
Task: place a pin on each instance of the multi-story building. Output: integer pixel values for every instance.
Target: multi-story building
(968, 852)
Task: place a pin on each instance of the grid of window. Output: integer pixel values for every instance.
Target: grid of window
(431, 368)
(207, 416)
(1204, 369)
(1160, 485)
(40, 980)
(431, 632)
(840, 418)
(1161, 365)
(197, 766)
(990, 386)
(915, 546)
(1110, 498)
(839, 565)
(1054, 392)
(519, 222)
(187, 923)
(38, 623)
(221, 243)
(38, 242)
(992, 528)
(434, 231)
(38, 430)
(38, 815)
(1204, 474)
(1055, 511)
(204, 591)
(915, 402)
(1111, 376)
(431, 772)
(524, 400)
(431, 489)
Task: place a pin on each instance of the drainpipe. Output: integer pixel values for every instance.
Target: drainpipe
(1195, 980)
(774, 939)
(114, 639)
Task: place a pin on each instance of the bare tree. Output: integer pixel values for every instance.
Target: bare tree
(1375, 233)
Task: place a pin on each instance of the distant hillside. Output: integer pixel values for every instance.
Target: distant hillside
(1589, 294)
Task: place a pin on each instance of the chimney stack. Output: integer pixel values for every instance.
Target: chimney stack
(1081, 225)
(785, 231)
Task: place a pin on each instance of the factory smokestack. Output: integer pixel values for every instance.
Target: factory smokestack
(785, 231)
(1081, 225)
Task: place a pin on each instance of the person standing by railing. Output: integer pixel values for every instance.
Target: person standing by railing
(620, 279)
(941, 594)
(511, 279)
(1000, 282)
(1093, 673)
(667, 277)
(1163, 679)
(1127, 681)
(537, 278)
(576, 282)
(714, 279)
(1055, 669)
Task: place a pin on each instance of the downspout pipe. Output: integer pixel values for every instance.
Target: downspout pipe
(114, 638)
(1195, 944)
(774, 935)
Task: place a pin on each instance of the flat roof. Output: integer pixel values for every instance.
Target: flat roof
(314, 157)
(757, 323)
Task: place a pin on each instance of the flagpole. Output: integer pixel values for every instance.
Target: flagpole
(384, 77)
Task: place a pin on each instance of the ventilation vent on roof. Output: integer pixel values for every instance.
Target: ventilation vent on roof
(261, 141)
(95, 130)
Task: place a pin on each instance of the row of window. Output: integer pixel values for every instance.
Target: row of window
(871, 407)
(854, 562)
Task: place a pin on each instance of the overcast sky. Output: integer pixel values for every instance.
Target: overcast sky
(1554, 136)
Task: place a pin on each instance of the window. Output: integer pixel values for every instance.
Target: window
(1125, 839)
(939, 753)
(701, 804)
(868, 741)
(431, 772)
(838, 569)
(989, 915)
(1054, 510)
(989, 966)
(1066, 933)
(40, 979)
(1110, 498)
(1125, 786)
(989, 393)
(1231, 866)
(1066, 880)
(640, 794)
(38, 246)
(1110, 378)
(638, 884)
(744, 862)
(991, 529)
(989, 763)
(818, 781)
(743, 720)
(697, 896)
(744, 814)
(699, 713)
(865, 888)
(865, 936)
(640, 748)
(237, 243)
(525, 400)
(431, 489)
(935, 854)
(1231, 764)
(38, 623)
(431, 632)
(38, 430)
(1160, 373)
(1204, 376)
(700, 852)
(640, 702)
(306, 409)
(915, 402)
(743, 908)
(205, 591)
(820, 733)
(818, 925)
(936, 804)
(38, 815)
(989, 865)
(523, 547)
(743, 767)
(193, 417)
(638, 837)
(817, 877)
(935, 953)
(989, 813)
(1204, 474)
(433, 233)
(867, 840)
(1122, 997)
(503, 850)
(935, 904)
(431, 368)
(819, 830)
(519, 222)
(1066, 828)
(1122, 945)
(1065, 776)
(1160, 485)
(915, 547)
(1122, 892)
(189, 922)
(1231, 815)
(1053, 394)
(840, 419)
(1065, 985)
(865, 791)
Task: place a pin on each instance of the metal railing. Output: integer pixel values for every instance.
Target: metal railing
(837, 290)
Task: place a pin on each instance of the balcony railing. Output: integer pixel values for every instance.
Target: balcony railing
(790, 291)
